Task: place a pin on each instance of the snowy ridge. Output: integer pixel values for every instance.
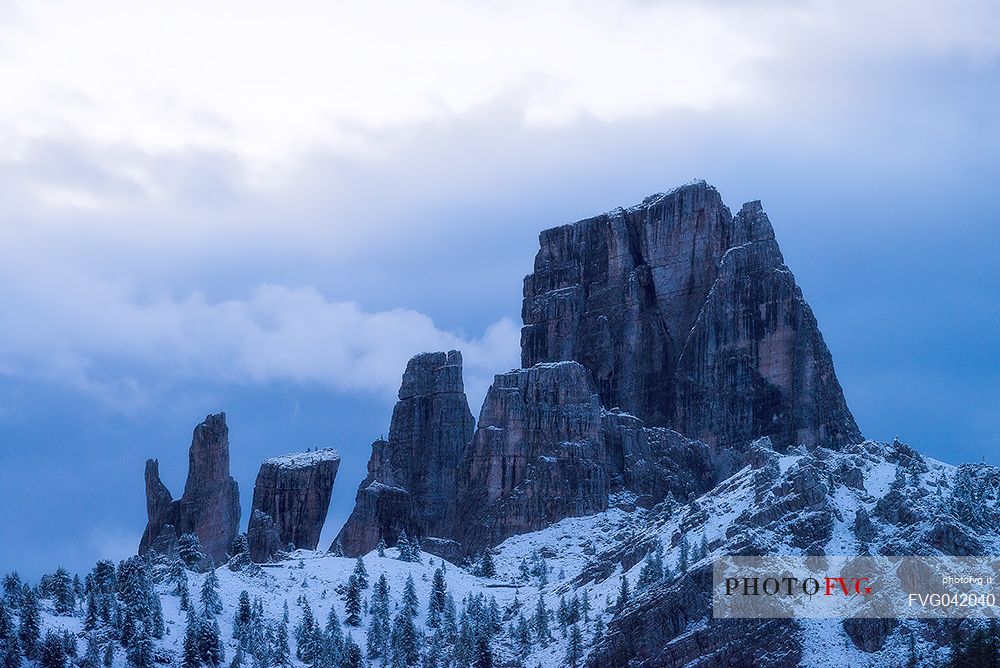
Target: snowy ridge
(304, 459)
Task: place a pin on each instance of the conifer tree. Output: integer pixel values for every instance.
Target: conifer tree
(381, 547)
(140, 651)
(378, 630)
(435, 606)
(210, 644)
(52, 654)
(109, 655)
(541, 622)
(403, 545)
(280, 654)
(192, 642)
(352, 654)
(484, 653)
(652, 568)
(243, 620)
(30, 630)
(361, 573)
(337, 549)
(352, 602)
(211, 604)
(487, 568)
(574, 649)
(63, 596)
(6, 623)
(405, 640)
(334, 638)
(189, 549)
(178, 576)
(91, 618)
(623, 595)
(682, 560)
(92, 657)
(303, 633)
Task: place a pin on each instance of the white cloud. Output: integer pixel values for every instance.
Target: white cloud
(99, 337)
(270, 80)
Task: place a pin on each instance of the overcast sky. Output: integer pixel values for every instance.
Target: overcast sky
(266, 208)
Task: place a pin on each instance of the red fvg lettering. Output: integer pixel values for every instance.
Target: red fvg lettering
(848, 586)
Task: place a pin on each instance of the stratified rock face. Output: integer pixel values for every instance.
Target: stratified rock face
(210, 505)
(294, 492)
(686, 317)
(537, 456)
(755, 362)
(411, 476)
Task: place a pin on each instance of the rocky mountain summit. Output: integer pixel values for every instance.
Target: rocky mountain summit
(210, 506)
(412, 476)
(290, 501)
(687, 317)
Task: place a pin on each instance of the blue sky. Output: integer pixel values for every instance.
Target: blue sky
(267, 210)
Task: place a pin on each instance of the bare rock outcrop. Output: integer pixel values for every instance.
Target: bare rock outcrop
(411, 478)
(686, 317)
(210, 505)
(538, 455)
(294, 492)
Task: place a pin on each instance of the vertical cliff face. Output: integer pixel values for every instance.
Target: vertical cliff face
(294, 492)
(210, 505)
(537, 456)
(412, 476)
(656, 300)
(755, 363)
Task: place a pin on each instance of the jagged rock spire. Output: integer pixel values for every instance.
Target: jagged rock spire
(411, 475)
(210, 505)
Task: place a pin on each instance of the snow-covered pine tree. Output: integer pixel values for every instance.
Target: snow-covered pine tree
(574, 648)
(92, 657)
(280, 653)
(352, 602)
(189, 549)
(352, 654)
(191, 657)
(381, 547)
(52, 654)
(63, 596)
(361, 573)
(91, 619)
(140, 651)
(377, 645)
(30, 629)
(484, 653)
(243, 620)
(211, 604)
(623, 595)
(682, 560)
(435, 605)
(487, 568)
(337, 549)
(303, 632)
(652, 567)
(334, 637)
(540, 622)
(210, 645)
(403, 545)
(405, 639)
